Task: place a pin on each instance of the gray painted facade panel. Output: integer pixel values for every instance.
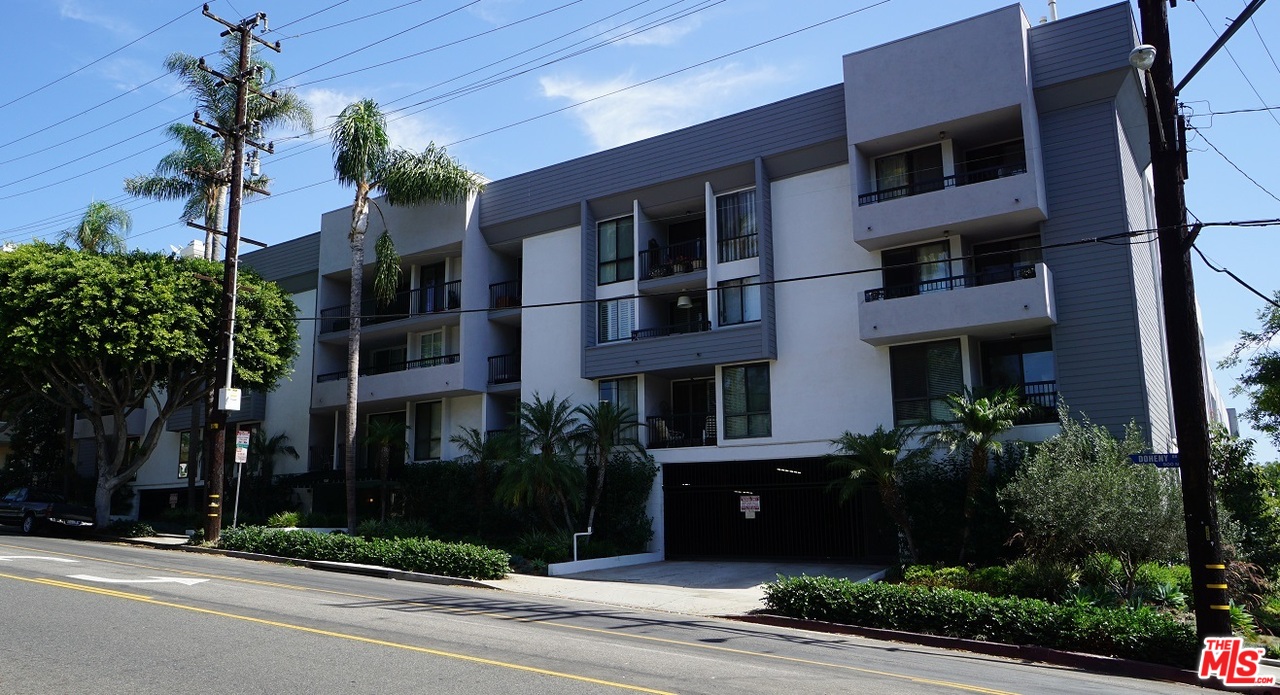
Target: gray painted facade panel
(589, 270)
(805, 120)
(764, 213)
(1096, 343)
(293, 260)
(253, 408)
(724, 345)
(1081, 45)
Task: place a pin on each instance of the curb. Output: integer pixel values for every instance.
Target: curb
(1086, 662)
(322, 565)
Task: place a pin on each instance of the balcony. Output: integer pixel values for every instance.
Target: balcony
(407, 304)
(675, 431)
(739, 247)
(391, 367)
(1014, 300)
(413, 379)
(504, 369)
(989, 174)
(676, 259)
(672, 329)
(504, 295)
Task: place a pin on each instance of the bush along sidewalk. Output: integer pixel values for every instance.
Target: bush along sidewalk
(409, 554)
(1143, 634)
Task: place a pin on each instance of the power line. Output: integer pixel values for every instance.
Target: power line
(89, 64)
(1263, 41)
(1234, 111)
(1235, 277)
(305, 18)
(1234, 166)
(1237, 64)
(348, 21)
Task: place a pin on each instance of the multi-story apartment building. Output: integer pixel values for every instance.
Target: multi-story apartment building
(755, 285)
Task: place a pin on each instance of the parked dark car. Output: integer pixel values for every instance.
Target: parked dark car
(33, 509)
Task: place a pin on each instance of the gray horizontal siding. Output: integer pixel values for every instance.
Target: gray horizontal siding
(1083, 45)
(721, 346)
(1096, 341)
(796, 123)
(253, 408)
(287, 260)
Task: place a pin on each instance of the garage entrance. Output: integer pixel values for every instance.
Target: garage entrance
(769, 509)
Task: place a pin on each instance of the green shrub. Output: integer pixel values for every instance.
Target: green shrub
(131, 529)
(284, 520)
(394, 528)
(410, 554)
(547, 547)
(1142, 633)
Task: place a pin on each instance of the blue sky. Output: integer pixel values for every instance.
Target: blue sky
(500, 83)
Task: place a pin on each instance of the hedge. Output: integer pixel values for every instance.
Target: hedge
(1143, 634)
(410, 554)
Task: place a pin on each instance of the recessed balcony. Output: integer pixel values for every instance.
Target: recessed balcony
(430, 376)
(1013, 300)
(682, 430)
(423, 301)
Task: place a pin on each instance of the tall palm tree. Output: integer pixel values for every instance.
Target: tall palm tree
(880, 458)
(546, 470)
(216, 102)
(384, 435)
(190, 174)
(101, 229)
(483, 452)
(975, 424)
(605, 430)
(263, 452)
(363, 158)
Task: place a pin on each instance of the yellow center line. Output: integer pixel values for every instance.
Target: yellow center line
(339, 635)
(565, 626)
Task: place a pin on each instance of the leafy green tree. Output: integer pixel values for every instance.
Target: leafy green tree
(1079, 494)
(101, 229)
(882, 458)
(976, 423)
(384, 435)
(1245, 494)
(204, 184)
(38, 453)
(363, 158)
(605, 432)
(105, 335)
(484, 453)
(1261, 378)
(546, 472)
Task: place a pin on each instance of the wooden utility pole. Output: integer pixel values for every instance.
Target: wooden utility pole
(1182, 332)
(237, 135)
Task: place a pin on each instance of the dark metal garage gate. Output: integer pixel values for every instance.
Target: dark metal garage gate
(708, 513)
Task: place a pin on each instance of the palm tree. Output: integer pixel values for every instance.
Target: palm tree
(363, 158)
(606, 428)
(190, 174)
(880, 458)
(263, 452)
(546, 470)
(483, 452)
(385, 434)
(101, 229)
(975, 424)
(216, 103)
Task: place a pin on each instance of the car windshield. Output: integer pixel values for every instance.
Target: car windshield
(45, 496)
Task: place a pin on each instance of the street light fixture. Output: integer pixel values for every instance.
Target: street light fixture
(1143, 57)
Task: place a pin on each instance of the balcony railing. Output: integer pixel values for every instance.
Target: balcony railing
(739, 247)
(392, 367)
(691, 429)
(504, 295)
(986, 277)
(424, 300)
(504, 369)
(918, 187)
(675, 259)
(1042, 396)
(673, 329)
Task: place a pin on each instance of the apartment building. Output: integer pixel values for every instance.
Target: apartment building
(755, 285)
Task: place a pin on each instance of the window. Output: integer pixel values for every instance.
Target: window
(995, 161)
(1002, 261)
(184, 453)
(428, 431)
(1025, 363)
(623, 394)
(736, 225)
(909, 173)
(917, 269)
(923, 375)
(746, 401)
(739, 300)
(431, 347)
(617, 320)
(383, 360)
(616, 250)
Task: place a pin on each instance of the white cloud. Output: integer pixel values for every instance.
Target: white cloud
(73, 9)
(494, 11)
(664, 34)
(409, 132)
(657, 107)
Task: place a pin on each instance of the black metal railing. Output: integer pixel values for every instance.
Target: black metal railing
(738, 247)
(391, 367)
(504, 295)
(504, 369)
(673, 329)
(424, 300)
(690, 429)
(685, 257)
(986, 277)
(937, 184)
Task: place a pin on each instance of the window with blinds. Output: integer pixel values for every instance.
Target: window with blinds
(617, 320)
(746, 401)
(615, 249)
(923, 375)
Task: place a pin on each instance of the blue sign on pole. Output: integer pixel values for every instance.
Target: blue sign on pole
(1159, 460)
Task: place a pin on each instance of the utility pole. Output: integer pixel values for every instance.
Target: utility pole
(1182, 331)
(237, 135)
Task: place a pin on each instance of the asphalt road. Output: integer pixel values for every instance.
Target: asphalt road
(87, 617)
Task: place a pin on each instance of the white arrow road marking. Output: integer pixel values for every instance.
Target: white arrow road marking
(10, 558)
(150, 580)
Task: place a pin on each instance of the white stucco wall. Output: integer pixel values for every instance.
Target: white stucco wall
(551, 340)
